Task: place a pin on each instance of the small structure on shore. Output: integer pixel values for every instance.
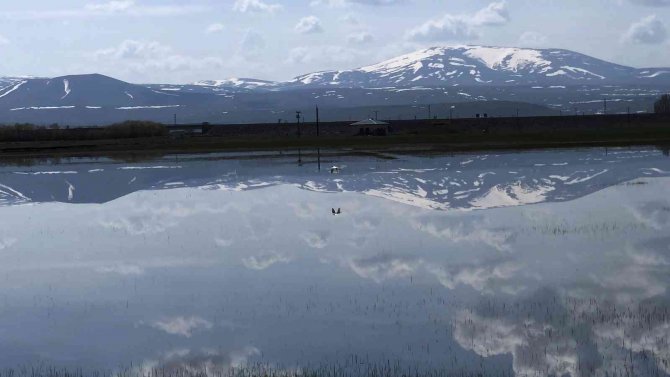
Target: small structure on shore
(372, 127)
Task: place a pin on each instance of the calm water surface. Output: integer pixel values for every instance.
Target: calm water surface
(534, 263)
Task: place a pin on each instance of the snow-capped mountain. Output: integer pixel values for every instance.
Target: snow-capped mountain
(482, 65)
(78, 90)
(495, 80)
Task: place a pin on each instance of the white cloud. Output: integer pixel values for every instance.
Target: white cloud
(324, 55)
(360, 38)
(532, 39)
(377, 2)
(252, 43)
(309, 25)
(448, 28)
(652, 3)
(299, 55)
(149, 56)
(345, 3)
(460, 27)
(351, 20)
(649, 30)
(494, 14)
(215, 28)
(182, 326)
(110, 8)
(255, 6)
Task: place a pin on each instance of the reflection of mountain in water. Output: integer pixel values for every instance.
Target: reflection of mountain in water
(461, 181)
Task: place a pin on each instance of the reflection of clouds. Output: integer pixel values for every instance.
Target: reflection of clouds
(7, 242)
(490, 276)
(205, 363)
(652, 253)
(316, 239)
(304, 210)
(384, 266)
(264, 261)
(367, 223)
(535, 351)
(632, 282)
(121, 269)
(655, 214)
(223, 242)
(183, 326)
(259, 226)
(633, 273)
(628, 335)
(144, 219)
(474, 232)
(541, 335)
(141, 217)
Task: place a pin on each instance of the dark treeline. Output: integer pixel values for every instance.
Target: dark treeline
(662, 106)
(125, 130)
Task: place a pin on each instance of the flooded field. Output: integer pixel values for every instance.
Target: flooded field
(514, 264)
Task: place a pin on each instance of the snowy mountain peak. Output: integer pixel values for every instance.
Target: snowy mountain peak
(468, 65)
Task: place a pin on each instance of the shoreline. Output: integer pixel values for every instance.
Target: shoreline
(427, 136)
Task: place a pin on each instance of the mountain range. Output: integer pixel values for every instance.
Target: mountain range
(557, 80)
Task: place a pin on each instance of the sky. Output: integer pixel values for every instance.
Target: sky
(170, 41)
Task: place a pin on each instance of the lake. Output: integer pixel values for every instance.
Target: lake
(521, 263)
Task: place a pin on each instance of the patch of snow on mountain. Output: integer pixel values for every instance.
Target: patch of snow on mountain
(13, 89)
(146, 107)
(655, 74)
(237, 83)
(402, 62)
(42, 108)
(66, 88)
(582, 71)
(509, 59)
(560, 72)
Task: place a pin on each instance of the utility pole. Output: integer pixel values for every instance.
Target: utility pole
(376, 114)
(175, 119)
(429, 114)
(317, 123)
(297, 116)
(517, 119)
